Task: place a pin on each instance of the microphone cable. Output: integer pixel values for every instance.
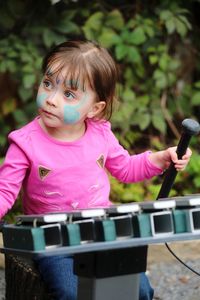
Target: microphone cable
(181, 261)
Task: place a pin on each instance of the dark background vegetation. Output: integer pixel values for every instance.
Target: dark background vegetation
(156, 45)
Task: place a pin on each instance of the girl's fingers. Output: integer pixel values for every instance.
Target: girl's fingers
(181, 164)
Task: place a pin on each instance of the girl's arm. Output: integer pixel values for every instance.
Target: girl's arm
(12, 173)
(133, 168)
(125, 167)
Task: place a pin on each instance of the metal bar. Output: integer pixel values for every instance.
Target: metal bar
(103, 246)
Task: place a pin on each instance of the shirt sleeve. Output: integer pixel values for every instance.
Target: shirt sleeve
(125, 167)
(12, 173)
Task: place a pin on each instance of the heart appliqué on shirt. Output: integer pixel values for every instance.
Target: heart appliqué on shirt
(43, 172)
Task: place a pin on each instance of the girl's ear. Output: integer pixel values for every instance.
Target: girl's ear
(97, 108)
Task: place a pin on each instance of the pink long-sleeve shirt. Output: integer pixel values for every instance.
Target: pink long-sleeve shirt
(63, 176)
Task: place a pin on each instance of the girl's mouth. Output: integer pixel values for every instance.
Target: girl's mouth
(49, 114)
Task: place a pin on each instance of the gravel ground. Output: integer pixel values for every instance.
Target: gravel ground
(170, 279)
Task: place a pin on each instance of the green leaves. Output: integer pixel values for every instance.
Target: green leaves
(108, 37)
(66, 26)
(28, 80)
(115, 20)
(167, 66)
(195, 98)
(158, 121)
(49, 37)
(121, 51)
(124, 193)
(161, 79)
(95, 21)
(175, 21)
(93, 25)
(137, 37)
(104, 27)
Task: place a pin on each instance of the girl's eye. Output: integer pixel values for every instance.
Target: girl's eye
(69, 95)
(47, 84)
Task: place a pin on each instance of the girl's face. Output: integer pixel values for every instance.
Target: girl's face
(60, 105)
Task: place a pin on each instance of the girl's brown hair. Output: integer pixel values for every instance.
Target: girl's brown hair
(86, 61)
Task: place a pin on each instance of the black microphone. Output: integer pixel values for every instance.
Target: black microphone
(189, 128)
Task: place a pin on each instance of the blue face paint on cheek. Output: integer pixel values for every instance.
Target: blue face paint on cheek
(40, 99)
(71, 115)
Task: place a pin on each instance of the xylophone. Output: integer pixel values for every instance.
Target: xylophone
(88, 229)
(110, 245)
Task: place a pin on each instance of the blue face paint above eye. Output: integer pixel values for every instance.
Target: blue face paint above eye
(40, 99)
(72, 83)
(71, 115)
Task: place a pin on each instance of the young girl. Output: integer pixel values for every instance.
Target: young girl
(62, 158)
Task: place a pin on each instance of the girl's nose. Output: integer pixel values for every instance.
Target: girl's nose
(53, 99)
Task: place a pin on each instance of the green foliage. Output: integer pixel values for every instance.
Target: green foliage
(191, 176)
(175, 20)
(123, 193)
(155, 46)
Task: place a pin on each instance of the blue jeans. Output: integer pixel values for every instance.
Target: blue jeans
(57, 273)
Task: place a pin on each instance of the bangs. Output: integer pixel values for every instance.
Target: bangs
(74, 69)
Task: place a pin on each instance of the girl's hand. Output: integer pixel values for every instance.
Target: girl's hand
(163, 158)
(179, 164)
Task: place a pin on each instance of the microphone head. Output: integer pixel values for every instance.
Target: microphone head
(190, 126)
